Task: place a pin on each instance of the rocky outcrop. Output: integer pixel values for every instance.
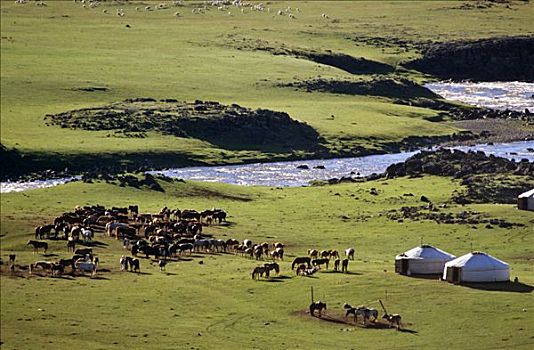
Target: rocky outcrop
(496, 59)
(230, 127)
(487, 179)
(385, 87)
(458, 164)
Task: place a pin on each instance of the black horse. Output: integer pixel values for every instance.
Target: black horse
(301, 260)
(317, 305)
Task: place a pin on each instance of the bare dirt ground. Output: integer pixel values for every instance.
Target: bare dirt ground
(500, 130)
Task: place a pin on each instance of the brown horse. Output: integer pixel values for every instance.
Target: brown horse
(259, 271)
(336, 264)
(273, 266)
(37, 244)
(345, 265)
(319, 262)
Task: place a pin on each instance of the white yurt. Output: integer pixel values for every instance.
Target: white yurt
(525, 201)
(476, 267)
(423, 260)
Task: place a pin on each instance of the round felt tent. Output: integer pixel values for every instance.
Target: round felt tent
(476, 267)
(423, 260)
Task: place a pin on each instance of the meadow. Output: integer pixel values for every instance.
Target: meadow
(217, 304)
(53, 57)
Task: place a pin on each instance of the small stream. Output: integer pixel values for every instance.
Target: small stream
(497, 95)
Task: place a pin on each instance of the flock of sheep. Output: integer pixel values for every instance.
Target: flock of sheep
(221, 5)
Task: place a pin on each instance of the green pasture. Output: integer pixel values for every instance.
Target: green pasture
(217, 305)
(49, 53)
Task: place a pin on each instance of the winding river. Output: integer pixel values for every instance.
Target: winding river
(505, 95)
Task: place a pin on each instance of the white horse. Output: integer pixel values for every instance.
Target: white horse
(84, 266)
(349, 252)
(87, 235)
(110, 226)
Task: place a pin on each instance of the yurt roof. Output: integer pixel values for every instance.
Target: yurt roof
(426, 252)
(527, 194)
(478, 261)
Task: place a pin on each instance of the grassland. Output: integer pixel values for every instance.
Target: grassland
(49, 53)
(217, 304)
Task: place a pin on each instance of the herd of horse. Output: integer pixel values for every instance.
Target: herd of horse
(171, 233)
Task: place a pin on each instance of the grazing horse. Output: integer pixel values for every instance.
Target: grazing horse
(37, 244)
(278, 245)
(84, 251)
(273, 266)
(259, 271)
(280, 251)
(349, 252)
(87, 235)
(258, 252)
(134, 265)
(345, 265)
(85, 266)
(274, 255)
(317, 305)
(67, 262)
(336, 264)
(301, 260)
(319, 262)
(162, 264)
(71, 245)
(325, 254)
(334, 254)
(12, 258)
(57, 269)
(393, 319)
(313, 253)
(124, 263)
(44, 265)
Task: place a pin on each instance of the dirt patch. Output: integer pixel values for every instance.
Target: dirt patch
(339, 318)
(498, 130)
(495, 59)
(230, 127)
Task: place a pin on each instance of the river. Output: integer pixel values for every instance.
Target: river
(501, 95)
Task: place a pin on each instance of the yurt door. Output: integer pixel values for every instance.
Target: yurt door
(401, 266)
(456, 274)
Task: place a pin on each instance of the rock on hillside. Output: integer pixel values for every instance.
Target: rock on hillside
(487, 179)
(445, 162)
(230, 127)
(507, 58)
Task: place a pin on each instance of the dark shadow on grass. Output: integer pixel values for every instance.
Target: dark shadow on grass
(50, 255)
(425, 277)
(169, 273)
(282, 277)
(342, 273)
(501, 287)
(270, 280)
(93, 244)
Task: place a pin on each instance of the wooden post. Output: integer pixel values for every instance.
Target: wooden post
(383, 307)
